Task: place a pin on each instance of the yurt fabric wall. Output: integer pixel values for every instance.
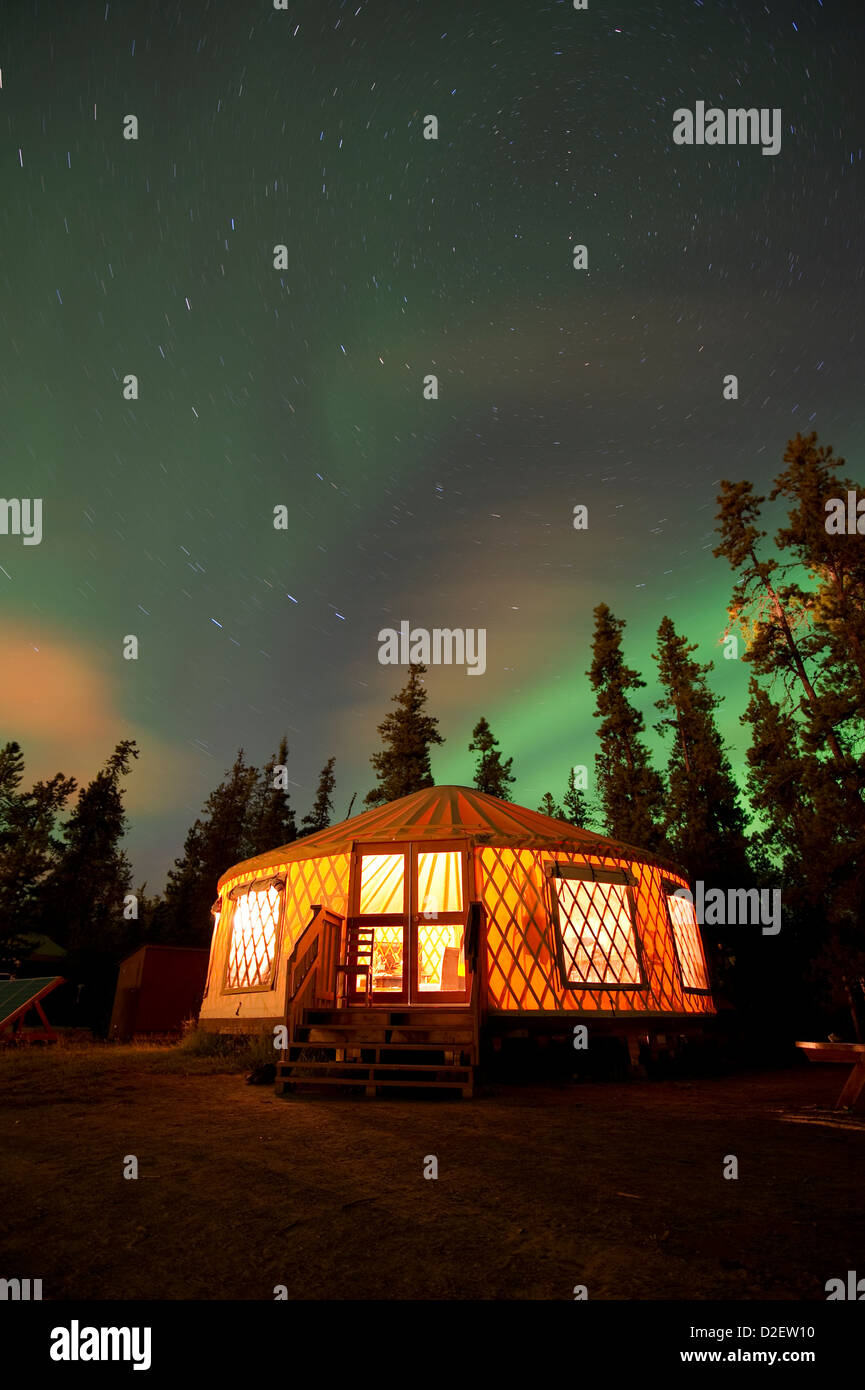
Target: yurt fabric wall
(600, 936)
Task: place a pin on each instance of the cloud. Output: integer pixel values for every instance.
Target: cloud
(58, 701)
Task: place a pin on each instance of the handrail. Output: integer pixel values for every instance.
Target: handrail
(475, 955)
(311, 967)
(298, 965)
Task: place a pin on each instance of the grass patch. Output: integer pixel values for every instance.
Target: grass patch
(75, 1069)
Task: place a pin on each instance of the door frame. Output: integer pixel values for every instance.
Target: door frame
(409, 994)
(417, 847)
(374, 919)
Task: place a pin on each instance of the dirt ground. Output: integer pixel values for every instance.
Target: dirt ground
(618, 1186)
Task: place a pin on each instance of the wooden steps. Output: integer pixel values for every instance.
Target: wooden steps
(375, 1048)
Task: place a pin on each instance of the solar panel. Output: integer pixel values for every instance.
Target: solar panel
(17, 994)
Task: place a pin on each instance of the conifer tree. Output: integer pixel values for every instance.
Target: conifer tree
(492, 775)
(630, 789)
(30, 847)
(217, 839)
(780, 609)
(403, 766)
(318, 818)
(550, 807)
(704, 821)
(833, 600)
(779, 789)
(84, 894)
(577, 808)
(807, 847)
(807, 760)
(812, 479)
(270, 819)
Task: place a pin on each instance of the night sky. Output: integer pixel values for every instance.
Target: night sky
(304, 386)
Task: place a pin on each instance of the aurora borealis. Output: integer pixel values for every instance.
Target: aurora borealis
(303, 387)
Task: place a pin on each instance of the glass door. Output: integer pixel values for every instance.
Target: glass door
(438, 972)
(380, 906)
(407, 923)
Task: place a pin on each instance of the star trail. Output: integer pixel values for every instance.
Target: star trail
(166, 385)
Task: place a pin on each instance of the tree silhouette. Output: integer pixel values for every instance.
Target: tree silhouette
(217, 839)
(630, 790)
(550, 807)
(318, 818)
(403, 766)
(704, 821)
(576, 806)
(491, 774)
(270, 817)
(30, 848)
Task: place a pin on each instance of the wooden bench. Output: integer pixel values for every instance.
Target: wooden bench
(853, 1055)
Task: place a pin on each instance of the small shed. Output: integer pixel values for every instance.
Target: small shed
(158, 988)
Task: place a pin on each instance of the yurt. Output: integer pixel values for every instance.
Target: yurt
(407, 938)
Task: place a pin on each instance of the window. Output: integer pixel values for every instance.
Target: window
(382, 884)
(387, 957)
(597, 939)
(440, 882)
(255, 923)
(686, 934)
(441, 963)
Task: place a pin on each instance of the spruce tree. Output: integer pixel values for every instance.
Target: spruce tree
(807, 758)
(218, 839)
(84, 894)
(492, 775)
(83, 897)
(577, 808)
(779, 785)
(550, 807)
(403, 766)
(812, 478)
(704, 821)
(630, 790)
(809, 859)
(30, 848)
(270, 818)
(779, 610)
(319, 817)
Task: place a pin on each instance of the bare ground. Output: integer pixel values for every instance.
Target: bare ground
(616, 1186)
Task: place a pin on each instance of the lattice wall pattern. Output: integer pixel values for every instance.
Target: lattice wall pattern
(599, 946)
(688, 943)
(387, 953)
(253, 939)
(521, 947)
(312, 881)
(308, 882)
(382, 884)
(433, 939)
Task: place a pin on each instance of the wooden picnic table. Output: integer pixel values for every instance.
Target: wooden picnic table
(853, 1054)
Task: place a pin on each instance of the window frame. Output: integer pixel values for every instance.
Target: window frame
(592, 873)
(456, 918)
(256, 885)
(410, 996)
(670, 889)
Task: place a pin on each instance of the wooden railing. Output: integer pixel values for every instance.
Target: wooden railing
(312, 966)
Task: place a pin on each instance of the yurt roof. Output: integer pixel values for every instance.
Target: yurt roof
(446, 813)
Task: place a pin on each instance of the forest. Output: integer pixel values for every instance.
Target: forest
(793, 823)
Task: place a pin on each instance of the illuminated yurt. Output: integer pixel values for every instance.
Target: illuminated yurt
(449, 904)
